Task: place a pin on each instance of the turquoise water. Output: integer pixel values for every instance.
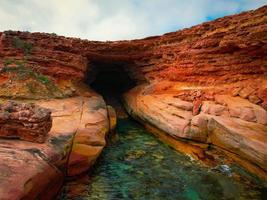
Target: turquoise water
(138, 166)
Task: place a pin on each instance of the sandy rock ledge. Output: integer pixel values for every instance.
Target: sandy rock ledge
(36, 171)
(232, 124)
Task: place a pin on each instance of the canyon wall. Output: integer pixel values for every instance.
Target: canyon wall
(227, 50)
(205, 86)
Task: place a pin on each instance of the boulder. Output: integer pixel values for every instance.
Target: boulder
(112, 118)
(209, 107)
(196, 106)
(243, 109)
(169, 114)
(24, 121)
(254, 99)
(246, 139)
(74, 142)
(245, 92)
(27, 176)
(176, 102)
(89, 139)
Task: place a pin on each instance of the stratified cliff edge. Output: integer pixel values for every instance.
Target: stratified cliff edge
(226, 50)
(204, 86)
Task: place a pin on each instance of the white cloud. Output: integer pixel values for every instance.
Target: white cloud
(114, 19)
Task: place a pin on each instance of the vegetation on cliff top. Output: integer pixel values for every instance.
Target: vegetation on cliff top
(22, 45)
(18, 80)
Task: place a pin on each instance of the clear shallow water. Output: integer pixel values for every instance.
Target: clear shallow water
(138, 166)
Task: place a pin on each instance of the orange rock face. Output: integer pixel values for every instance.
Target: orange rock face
(206, 85)
(25, 175)
(71, 147)
(228, 50)
(231, 123)
(25, 121)
(90, 136)
(225, 50)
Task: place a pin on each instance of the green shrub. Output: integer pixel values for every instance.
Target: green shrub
(36, 83)
(23, 72)
(43, 79)
(31, 87)
(24, 46)
(8, 62)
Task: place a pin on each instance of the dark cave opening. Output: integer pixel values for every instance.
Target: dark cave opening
(110, 80)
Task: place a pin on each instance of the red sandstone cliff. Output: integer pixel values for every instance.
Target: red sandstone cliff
(205, 86)
(230, 46)
(226, 50)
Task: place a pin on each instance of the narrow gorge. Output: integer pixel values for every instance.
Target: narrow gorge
(201, 91)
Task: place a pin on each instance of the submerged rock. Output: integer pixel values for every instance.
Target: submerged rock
(134, 154)
(223, 169)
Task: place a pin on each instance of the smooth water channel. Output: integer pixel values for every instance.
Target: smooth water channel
(138, 166)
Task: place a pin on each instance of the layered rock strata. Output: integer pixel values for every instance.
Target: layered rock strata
(205, 86)
(24, 121)
(227, 50)
(229, 122)
(77, 137)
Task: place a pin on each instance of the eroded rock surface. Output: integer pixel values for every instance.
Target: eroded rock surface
(205, 85)
(227, 50)
(231, 123)
(90, 137)
(76, 139)
(25, 121)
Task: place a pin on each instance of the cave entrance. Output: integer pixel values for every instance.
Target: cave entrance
(110, 80)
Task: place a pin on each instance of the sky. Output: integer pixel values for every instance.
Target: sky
(114, 19)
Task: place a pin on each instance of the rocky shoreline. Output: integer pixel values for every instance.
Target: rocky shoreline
(197, 89)
(214, 125)
(80, 126)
